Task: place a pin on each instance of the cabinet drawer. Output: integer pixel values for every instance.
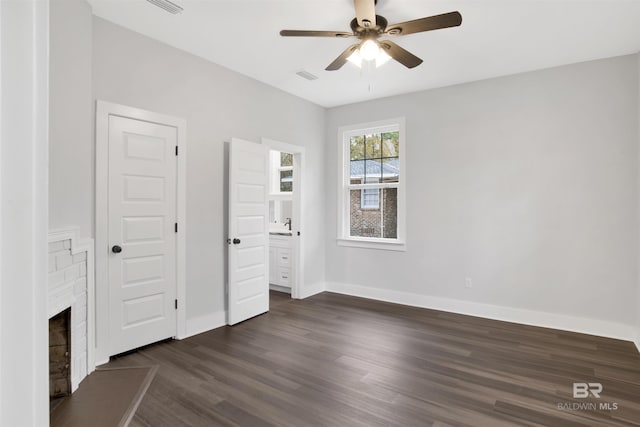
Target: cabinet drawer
(284, 257)
(283, 276)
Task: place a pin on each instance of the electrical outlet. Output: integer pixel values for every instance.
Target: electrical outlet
(468, 283)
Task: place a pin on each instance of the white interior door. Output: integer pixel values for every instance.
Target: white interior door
(248, 293)
(142, 239)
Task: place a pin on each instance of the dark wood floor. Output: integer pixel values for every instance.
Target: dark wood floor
(334, 360)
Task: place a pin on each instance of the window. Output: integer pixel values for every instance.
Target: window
(281, 172)
(371, 193)
(286, 172)
(370, 197)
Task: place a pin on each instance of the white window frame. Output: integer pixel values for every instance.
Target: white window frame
(276, 168)
(344, 185)
(363, 194)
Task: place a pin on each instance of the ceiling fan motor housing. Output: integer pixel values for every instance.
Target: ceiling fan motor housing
(375, 30)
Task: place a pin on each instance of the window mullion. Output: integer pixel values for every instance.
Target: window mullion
(371, 186)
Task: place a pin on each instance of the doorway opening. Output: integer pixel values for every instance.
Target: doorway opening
(285, 217)
(281, 220)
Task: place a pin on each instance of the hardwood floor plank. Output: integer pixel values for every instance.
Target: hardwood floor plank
(334, 360)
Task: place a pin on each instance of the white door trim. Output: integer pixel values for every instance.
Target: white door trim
(103, 111)
(297, 210)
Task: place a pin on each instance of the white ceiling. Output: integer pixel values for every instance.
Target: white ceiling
(497, 37)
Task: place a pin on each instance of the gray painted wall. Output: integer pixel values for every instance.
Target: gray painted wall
(218, 104)
(71, 143)
(526, 183)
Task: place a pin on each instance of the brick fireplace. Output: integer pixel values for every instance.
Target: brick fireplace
(69, 306)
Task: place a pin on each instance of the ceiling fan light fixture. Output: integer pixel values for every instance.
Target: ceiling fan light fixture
(369, 50)
(382, 58)
(355, 58)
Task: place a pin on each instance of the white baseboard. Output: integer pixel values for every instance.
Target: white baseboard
(101, 362)
(310, 290)
(198, 325)
(205, 323)
(278, 288)
(508, 314)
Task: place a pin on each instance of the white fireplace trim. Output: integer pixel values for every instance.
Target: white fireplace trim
(61, 297)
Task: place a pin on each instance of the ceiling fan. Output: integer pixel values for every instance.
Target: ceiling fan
(369, 27)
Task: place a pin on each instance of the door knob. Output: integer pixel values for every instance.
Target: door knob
(116, 249)
(236, 241)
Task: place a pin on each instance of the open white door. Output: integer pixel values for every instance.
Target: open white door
(248, 293)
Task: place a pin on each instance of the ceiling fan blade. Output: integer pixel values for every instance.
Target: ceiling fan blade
(401, 55)
(302, 33)
(342, 59)
(365, 12)
(436, 22)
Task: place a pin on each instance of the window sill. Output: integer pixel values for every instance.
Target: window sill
(392, 245)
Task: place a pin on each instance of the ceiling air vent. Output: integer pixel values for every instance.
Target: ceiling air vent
(307, 75)
(167, 5)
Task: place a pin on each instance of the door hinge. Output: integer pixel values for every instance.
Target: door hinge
(176, 227)
(176, 150)
(176, 304)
